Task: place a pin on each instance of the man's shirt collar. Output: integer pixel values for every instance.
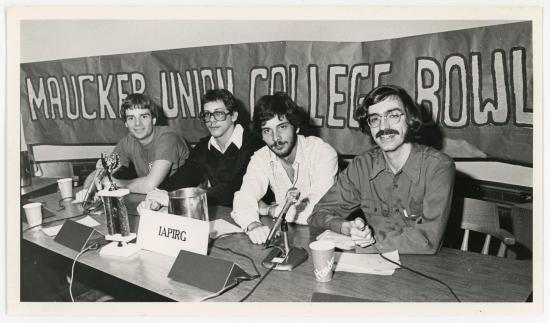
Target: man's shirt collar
(299, 151)
(411, 167)
(236, 139)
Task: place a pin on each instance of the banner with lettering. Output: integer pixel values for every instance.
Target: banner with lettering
(475, 85)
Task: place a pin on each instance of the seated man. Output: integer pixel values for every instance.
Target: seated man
(288, 161)
(156, 152)
(221, 158)
(403, 188)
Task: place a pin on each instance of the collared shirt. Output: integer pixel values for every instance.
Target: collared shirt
(315, 168)
(407, 211)
(236, 138)
(224, 171)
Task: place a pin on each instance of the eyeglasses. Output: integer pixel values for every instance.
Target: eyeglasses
(218, 115)
(392, 118)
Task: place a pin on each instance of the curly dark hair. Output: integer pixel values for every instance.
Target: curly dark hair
(279, 104)
(413, 115)
(138, 101)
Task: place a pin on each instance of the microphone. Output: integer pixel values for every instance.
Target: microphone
(92, 189)
(292, 197)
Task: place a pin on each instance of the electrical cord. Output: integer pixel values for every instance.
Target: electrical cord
(238, 279)
(252, 261)
(418, 273)
(93, 246)
(257, 284)
(62, 207)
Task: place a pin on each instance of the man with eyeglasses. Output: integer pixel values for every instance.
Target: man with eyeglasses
(403, 188)
(219, 159)
(155, 152)
(289, 163)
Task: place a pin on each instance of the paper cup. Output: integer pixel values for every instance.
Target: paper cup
(65, 187)
(33, 212)
(322, 253)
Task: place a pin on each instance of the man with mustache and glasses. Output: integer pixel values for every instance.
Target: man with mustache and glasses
(403, 188)
(220, 158)
(288, 163)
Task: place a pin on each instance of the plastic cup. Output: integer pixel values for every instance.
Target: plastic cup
(33, 212)
(322, 253)
(65, 187)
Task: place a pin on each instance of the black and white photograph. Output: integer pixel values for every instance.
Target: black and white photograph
(301, 160)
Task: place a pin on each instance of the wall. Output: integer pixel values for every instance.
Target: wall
(51, 40)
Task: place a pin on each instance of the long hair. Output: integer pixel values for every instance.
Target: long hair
(278, 104)
(381, 93)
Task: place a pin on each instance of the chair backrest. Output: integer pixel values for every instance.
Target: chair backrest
(482, 216)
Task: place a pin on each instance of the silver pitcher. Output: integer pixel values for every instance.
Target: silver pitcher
(190, 202)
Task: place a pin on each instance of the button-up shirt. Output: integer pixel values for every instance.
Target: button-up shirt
(315, 168)
(407, 211)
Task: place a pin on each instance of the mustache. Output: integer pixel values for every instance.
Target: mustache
(278, 143)
(388, 131)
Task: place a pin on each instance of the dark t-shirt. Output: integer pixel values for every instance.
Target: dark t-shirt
(166, 145)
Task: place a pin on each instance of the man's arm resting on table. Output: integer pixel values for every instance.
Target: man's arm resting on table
(145, 184)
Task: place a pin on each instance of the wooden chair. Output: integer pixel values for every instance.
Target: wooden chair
(482, 216)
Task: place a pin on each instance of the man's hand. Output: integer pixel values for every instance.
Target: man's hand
(257, 232)
(360, 233)
(148, 205)
(155, 200)
(340, 241)
(267, 209)
(159, 196)
(292, 195)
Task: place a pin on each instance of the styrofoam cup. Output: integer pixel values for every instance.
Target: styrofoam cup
(65, 187)
(33, 212)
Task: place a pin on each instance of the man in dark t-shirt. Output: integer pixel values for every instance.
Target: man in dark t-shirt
(155, 152)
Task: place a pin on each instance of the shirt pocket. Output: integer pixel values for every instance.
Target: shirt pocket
(374, 207)
(416, 210)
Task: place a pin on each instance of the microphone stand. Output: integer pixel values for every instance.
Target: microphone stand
(286, 258)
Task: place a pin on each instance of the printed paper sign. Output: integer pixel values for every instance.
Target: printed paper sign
(168, 234)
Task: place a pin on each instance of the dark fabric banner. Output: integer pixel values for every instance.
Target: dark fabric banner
(475, 85)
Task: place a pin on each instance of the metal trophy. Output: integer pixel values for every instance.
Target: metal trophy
(109, 164)
(116, 214)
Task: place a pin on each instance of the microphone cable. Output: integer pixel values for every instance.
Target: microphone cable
(418, 273)
(237, 279)
(257, 284)
(93, 246)
(60, 203)
(253, 263)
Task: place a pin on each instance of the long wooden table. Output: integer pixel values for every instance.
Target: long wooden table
(473, 277)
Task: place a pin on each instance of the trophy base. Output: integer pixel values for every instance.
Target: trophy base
(119, 249)
(119, 237)
(276, 259)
